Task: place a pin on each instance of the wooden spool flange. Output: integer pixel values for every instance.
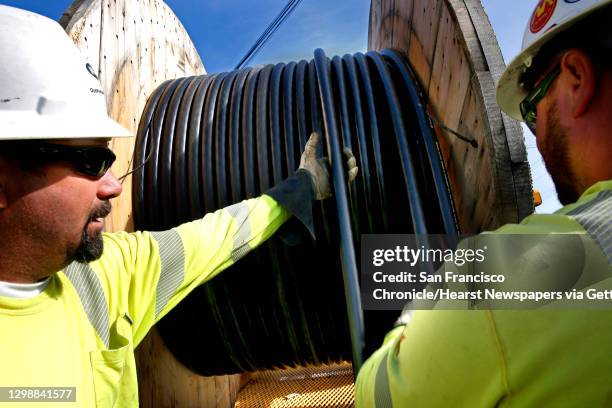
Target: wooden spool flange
(452, 48)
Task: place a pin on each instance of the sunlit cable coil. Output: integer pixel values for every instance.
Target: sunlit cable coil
(217, 139)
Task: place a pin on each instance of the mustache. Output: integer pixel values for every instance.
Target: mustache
(102, 211)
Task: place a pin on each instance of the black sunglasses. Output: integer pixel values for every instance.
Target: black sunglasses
(93, 161)
(530, 103)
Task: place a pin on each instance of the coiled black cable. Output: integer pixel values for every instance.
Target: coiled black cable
(214, 140)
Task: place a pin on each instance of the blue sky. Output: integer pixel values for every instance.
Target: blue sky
(223, 30)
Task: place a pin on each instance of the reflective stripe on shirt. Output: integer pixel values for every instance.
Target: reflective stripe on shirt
(172, 256)
(383, 393)
(596, 218)
(240, 213)
(87, 285)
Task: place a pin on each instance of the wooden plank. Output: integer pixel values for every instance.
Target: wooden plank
(236, 382)
(85, 31)
(387, 21)
(402, 25)
(514, 134)
(390, 28)
(425, 21)
(374, 30)
(222, 392)
(448, 88)
(477, 166)
(145, 63)
(469, 37)
(502, 166)
(451, 72)
(175, 389)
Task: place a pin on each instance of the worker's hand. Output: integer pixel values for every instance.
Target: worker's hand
(319, 167)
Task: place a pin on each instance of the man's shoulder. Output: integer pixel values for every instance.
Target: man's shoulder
(542, 224)
(594, 206)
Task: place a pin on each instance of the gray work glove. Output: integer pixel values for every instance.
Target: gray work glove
(319, 167)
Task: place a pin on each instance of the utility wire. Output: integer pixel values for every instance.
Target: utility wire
(268, 32)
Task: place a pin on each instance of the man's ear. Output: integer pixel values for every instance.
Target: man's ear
(579, 76)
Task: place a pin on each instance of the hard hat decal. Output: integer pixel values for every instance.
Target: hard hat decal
(91, 71)
(7, 100)
(542, 14)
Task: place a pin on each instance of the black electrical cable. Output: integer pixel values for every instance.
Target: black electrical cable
(247, 129)
(180, 149)
(276, 144)
(373, 130)
(302, 107)
(195, 137)
(410, 179)
(346, 132)
(289, 118)
(206, 142)
(347, 253)
(169, 156)
(206, 152)
(234, 145)
(364, 166)
(263, 127)
(142, 154)
(223, 116)
(152, 194)
(433, 154)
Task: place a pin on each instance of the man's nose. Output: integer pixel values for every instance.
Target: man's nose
(109, 186)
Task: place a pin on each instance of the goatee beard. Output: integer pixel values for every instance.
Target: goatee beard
(91, 246)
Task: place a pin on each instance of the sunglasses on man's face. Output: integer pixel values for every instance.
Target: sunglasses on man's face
(93, 161)
(529, 105)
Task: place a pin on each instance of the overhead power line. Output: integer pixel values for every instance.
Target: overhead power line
(268, 32)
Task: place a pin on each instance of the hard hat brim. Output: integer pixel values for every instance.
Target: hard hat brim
(510, 93)
(27, 125)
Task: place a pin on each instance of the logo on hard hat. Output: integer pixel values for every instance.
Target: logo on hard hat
(91, 71)
(542, 14)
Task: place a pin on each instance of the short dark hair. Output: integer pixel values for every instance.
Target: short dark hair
(592, 34)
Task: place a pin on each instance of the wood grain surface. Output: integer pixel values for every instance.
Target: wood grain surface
(452, 49)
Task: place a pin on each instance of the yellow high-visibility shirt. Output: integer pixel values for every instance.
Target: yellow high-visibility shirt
(508, 358)
(82, 330)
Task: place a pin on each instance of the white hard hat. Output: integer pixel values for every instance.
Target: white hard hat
(549, 18)
(47, 91)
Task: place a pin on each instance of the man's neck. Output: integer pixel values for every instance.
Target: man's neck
(20, 263)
